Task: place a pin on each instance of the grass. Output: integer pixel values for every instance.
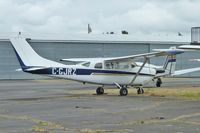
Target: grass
(102, 131)
(192, 93)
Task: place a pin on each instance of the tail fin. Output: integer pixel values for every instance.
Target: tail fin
(28, 57)
(170, 64)
(168, 67)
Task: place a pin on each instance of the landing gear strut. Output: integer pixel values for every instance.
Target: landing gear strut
(159, 82)
(100, 91)
(140, 90)
(123, 91)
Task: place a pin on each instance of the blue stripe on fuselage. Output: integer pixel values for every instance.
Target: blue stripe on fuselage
(79, 71)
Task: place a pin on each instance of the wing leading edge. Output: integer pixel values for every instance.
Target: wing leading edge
(159, 52)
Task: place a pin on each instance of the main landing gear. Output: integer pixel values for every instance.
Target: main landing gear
(123, 91)
(159, 82)
(100, 91)
(140, 90)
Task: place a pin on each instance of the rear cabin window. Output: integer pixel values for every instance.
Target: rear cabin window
(98, 65)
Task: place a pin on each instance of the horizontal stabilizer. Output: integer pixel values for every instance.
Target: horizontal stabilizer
(34, 69)
(30, 69)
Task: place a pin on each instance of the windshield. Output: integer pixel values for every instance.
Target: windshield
(87, 64)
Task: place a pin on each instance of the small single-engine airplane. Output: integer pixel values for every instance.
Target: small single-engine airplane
(119, 71)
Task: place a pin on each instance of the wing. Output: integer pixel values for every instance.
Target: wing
(160, 52)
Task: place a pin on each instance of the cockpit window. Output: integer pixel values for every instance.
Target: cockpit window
(109, 65)
(116, 65)
(87, 64)
(98, 65)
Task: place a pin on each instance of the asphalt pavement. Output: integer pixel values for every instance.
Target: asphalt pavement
(60, 106)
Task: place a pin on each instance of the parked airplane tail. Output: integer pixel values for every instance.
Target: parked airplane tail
(27, 57)
(168, 67)
(170, 64)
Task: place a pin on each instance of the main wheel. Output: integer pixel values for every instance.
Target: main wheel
(100, 91)
(140, 90)
(123, 91)
(159, 82)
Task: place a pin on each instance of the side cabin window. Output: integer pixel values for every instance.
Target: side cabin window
(98, 65)
(109, 65)
(124, 65)
(117, 65)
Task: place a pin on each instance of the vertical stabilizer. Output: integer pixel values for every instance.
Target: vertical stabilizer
(170, 64)
(27, 56)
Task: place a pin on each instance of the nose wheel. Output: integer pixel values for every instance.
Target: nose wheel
(100, 91)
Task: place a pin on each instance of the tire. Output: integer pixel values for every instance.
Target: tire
(99, 91)
(140, 91)
(123, 91)
(159, 82)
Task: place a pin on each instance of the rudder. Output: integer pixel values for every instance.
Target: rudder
(170, 64)
(28, 57)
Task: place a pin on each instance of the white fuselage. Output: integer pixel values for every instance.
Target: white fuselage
(103, 76)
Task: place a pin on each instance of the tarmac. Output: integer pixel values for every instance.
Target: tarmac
(60, 106)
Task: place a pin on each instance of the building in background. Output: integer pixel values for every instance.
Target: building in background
(56, 48)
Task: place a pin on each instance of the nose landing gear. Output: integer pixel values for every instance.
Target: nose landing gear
(159, 82)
